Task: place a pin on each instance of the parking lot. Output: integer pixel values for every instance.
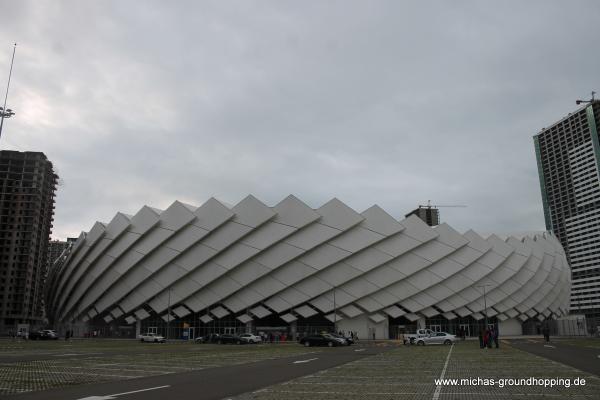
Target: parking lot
(370, 370)
(409, 372)
(31, 365)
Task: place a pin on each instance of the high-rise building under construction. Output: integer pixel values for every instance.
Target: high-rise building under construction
(27, 185)
(568, 157)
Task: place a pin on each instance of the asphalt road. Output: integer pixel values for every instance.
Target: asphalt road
(211, 383)
(583, 358)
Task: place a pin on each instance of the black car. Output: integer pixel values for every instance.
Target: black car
(210, 338)
(222, 339)
(347, 339)
(43, 335)
(319, 340)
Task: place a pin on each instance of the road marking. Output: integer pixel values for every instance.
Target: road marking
(360, 350)
(547, 345)
(112, 396)
(305, 361)
(438, 389)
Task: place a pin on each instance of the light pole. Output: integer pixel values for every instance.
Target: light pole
(168, 313)
(485, 304)
(334, 313)
(7, 112)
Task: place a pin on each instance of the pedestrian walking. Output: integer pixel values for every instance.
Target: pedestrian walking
(546, 332)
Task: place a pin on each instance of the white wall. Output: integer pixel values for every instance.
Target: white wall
(364, 327)
(510, 327)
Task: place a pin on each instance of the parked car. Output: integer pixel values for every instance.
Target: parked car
(250, 338)
(152, 337)
(223, 339)
(414, 337)
(347, 340)
(43, 335)
(437, 338)
(320, 340)
(51, 334)
(210, 338)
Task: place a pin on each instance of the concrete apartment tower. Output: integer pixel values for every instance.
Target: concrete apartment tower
(27, 186)
(568, 158)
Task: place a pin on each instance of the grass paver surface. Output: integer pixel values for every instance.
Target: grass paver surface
(95, 361)
(409, 372)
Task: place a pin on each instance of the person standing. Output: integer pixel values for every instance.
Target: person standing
(546, 332)
(495, 335)
(481, 338)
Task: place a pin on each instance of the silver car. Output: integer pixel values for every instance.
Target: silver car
(437, 338)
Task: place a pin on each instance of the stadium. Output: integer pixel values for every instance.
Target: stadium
(187, 271)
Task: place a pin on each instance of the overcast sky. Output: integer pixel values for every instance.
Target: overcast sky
(374, 102)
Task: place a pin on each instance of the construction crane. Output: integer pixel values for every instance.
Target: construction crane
(586, 101)
(438, 206)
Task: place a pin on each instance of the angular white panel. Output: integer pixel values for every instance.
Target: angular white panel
(116, 312)
(251, 212)
(219, 312)
(291, 211)
(260, 311)
(478, 316)
(323, 256)
(449, 315)
(181, 311)
(430, 312)
(377, 220)
(266, 235)
(338, 215)
(412, 317)
(306, 311)
(394, 311)
(168, 317)
(244, 318)
(288, 317)
(130, 320)
(311, 236)
(356, 239)
(206, 318)
(334, 317)
(226, 235)
(351, 311)
(141, 314)
(377, 318)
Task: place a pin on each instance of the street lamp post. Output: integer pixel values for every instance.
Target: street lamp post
(7, 112)
(485, 304)
(334, 313)
(169, 314)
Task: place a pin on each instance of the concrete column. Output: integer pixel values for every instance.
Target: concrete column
(421, 323)
(294, 330)
(138, 328)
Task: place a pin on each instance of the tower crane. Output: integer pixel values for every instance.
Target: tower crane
(429, 205)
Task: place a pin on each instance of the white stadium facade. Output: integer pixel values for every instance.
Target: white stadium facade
(293, 269)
